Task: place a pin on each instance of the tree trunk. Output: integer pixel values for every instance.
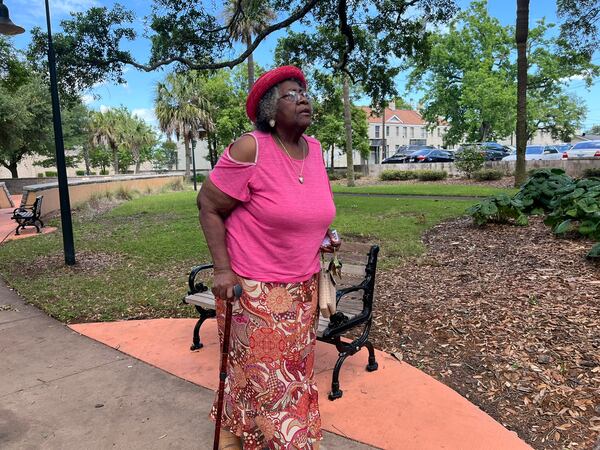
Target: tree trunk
(135, 152)
(12, 166)
(348, 126)
(115, 152)
(188, 155)
(250, 61)
(332, 159)
(522, 31)
(383, 152)
(86, 159)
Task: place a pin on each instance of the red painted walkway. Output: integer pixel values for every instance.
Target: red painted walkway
(8, 226)
(396, 407)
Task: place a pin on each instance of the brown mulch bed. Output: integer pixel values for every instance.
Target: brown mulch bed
(510, 318)
(506, 182)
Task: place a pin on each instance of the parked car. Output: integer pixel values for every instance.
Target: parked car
(563, 147)
(429, 156)
(587, 149)
(491, 151)
(537, 152)
(402, 153)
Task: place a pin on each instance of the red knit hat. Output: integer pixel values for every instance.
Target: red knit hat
(265, 82)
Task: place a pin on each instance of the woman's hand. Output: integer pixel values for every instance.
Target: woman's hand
(223, 282)
(331, 242)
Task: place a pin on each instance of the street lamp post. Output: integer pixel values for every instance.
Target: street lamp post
(194, 162)
(9, 28)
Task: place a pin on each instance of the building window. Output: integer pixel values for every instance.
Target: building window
(397, 147)
(423, 132)
(376, 131)
(387, 130)
(412, 132)
(397, 131)
(439, 132)
(404, 132)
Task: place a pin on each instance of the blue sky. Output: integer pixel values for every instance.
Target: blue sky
(137, 94)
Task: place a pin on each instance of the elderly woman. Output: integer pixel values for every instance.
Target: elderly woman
(265, 210)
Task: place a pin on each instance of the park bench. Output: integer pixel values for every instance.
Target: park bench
(354, 314)
(26, 216)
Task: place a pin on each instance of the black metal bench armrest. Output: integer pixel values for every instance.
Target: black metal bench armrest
(194, 287)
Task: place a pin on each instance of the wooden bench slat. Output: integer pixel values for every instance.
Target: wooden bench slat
(207, 300)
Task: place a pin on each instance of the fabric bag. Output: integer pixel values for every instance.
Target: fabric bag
(326, 293)
(327, 290)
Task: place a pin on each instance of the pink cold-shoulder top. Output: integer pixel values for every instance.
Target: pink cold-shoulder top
(275, 233)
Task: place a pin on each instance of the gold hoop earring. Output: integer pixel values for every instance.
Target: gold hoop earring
(272, 123)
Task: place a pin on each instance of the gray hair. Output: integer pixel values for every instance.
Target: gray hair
(267, 107)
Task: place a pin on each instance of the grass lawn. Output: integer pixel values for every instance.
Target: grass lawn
(132, 261)
(449, 190)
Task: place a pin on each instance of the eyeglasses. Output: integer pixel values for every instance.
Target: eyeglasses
(294, 96)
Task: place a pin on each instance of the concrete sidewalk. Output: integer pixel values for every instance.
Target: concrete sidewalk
(61, 390)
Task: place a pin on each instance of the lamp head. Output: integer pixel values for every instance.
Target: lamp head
(6, 26)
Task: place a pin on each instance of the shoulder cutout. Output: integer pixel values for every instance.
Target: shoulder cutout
(244, 149)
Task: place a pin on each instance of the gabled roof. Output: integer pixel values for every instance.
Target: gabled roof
(403, 116)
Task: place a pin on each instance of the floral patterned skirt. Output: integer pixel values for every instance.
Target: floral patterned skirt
(271, 400)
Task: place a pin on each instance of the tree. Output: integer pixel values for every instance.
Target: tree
(164, 156)
(521, 34)
(106, 129)
(357, 41)
(580, 29)
(594, 129)
(137, 137)
(91, 44)
(182, 109)
(470, 79)
(25, 123)
(253, 18)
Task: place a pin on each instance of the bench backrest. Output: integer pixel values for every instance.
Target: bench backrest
(37, 207)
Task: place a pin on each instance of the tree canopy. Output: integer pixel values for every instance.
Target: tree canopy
(469, 79)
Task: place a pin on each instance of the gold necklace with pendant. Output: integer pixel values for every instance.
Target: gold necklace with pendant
(300, 177)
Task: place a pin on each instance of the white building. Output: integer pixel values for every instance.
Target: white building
(401, 127)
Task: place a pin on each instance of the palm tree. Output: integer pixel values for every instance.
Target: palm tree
(105, 131)
(182, 109)
(137, 134)
(521, 33)
(252, 19)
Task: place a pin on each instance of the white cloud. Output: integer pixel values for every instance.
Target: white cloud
(146, 114)
(104, 108)
(69, 6)
(87, 99)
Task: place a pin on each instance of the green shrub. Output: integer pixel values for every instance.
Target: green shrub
(498, 209)
(51, 174)
(592, 172)
(92, 173)
(80, 172)
(396, 175)
(488, 174)
(469, 160)
(200, 178)
(572, 206)
(104, 172)
(40, 175)
(431, 175)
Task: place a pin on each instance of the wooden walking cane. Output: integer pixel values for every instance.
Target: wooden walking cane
(237, 292)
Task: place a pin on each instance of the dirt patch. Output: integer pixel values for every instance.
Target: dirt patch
(86, 262)
(510, 318)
